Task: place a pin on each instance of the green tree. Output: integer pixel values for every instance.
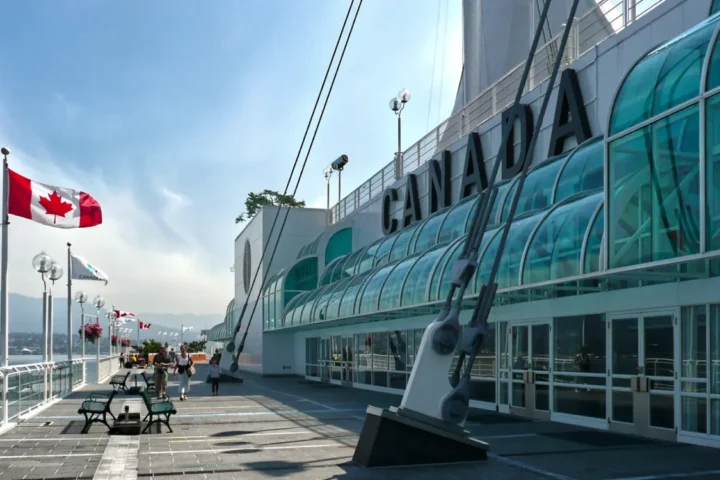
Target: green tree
(151, 346)
(196, 347)
(255, 201)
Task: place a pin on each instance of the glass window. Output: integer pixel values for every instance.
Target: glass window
(714, 359)
(665, 78)
(351, 263)
(390, 295)
(583, 171)
(327, 272)
(654, 200)
(292, 306)
(369, 300)
(366, 261)
(487, 257)
(383, 251)
(331, 311)
(339, 244)
(339, 269)
(712, 139)
(554, 251)
(502, 189)
(715, 7)
(538, 188)
(380, 360)
(399, 248)
(427, 235)
(442, 275)
(415, 289)
(594, 243)
(308, 304)
(509, 271)
(507, 201)
(303, 275)
(319, 313)
(347, 303)
(454, 224)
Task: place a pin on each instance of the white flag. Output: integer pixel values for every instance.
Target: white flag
(82, 270)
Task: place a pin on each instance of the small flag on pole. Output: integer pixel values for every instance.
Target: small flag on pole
(83, 270)
(53, 206)
(120, 314)
(144, 326)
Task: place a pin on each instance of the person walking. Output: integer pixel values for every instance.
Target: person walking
(184, 367)
(214, 376)
(161, 362)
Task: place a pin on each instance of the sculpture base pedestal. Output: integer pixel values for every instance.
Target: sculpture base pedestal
(392, 439)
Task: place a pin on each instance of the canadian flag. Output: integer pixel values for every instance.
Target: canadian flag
(120, 314)
(53, 206)
(144, 326)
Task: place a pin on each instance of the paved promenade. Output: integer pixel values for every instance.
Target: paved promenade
(289, 428)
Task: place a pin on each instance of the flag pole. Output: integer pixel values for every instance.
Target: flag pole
(69, 303)
(4, 320)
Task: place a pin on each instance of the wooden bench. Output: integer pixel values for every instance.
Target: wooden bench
(118, 382)
(158, 412)
(95, 408)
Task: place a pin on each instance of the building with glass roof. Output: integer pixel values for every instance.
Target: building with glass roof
(608, 306)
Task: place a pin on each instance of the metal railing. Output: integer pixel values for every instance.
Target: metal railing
(608, 17)
(26, 389)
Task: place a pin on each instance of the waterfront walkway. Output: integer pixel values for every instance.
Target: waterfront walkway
(289, 428)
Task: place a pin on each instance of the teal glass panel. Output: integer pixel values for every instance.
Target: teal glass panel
(352, 263)
(555, 250)
(266, 311)
(339, 244)
(383, 251)
(415, 289)
(487, 257)
(538, 188)
(454, 224)
(319, 313)
(583, 171)
(502, 189)
(303, 275)
(306, 313)
(339, 269)
(333, 305)
(390, 294)
(712, 153)
(594, 243)
(654, 205)
(399, 248)
(296, 309)
(507, 201)
(347, 304)
(663, 79)
(427, 235)
(325, 279)
(367, 260)
(715, 7)
(369, 299)
(520, 230)
(442, 276)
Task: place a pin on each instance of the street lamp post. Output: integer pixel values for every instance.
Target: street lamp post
(113, 321)
(397, 105)
(43, 263)
(81, 298)
(56, 273)
(328, 175)
(99, 302)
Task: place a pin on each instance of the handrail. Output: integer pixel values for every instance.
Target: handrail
(587, 31)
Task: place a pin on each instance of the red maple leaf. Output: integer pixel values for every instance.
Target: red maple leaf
(55, 205)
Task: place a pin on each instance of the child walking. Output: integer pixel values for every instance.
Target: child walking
(214, 376)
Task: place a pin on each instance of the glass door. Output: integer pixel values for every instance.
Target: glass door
(336, 363)
(503, 362)
(642, 364)
(531, 369)
(347, 359)
(324, 359)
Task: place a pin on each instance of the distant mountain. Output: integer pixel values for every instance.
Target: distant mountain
(26, 316)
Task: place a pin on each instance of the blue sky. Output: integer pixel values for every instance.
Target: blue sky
(170, 112)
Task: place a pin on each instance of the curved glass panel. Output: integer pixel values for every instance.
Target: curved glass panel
(502, 189)
(347, 303)
(302, 276)
(507, 201)
(366, 261)
(555, 250)
(331, 311)
(369, 300)
(390, 294)
(351, 263)
(339, 270)
(427, 235)
(383, 251)
(454, 224)
(715, 7)
(654, 201)
(443, 273)
(399, 248)
(318, 314)
(663, 79)
(305, 315)
(415, 290)
(583, 171)
(520, 230)
(487, 257)
(339, 244)
(294, 308)
(538, 188)
(327, 272)
(594, 244)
